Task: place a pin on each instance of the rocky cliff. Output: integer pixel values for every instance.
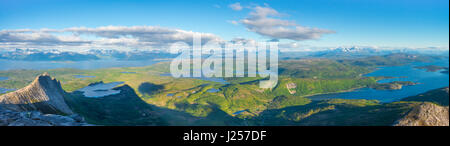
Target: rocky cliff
(426, 114)
(44, 94)
(35, 118)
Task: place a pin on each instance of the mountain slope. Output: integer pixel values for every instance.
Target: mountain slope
(426, 114)
(438, 96)
(124, 108)
(44, 94)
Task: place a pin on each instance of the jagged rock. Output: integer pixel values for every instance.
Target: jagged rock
(426, 114)
(77, 118)
(28, 122)
(38, 105)
(35, 118)
(44, 94)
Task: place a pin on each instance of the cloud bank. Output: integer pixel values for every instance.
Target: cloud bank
(265, 21)
(107, 36)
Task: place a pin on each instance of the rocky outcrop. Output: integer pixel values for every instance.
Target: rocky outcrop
(35, 118)
(426, 114)
(44, 94)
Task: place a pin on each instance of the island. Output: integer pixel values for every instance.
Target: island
(396, 85)
(433, 68)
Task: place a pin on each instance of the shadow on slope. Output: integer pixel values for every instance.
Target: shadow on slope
(127, 108)
(336, 112)
(148, 88)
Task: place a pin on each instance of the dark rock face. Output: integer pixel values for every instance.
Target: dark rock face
(35, 118)
(44, 94)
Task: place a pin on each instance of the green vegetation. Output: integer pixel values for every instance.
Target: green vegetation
(338, 112)
(437, 96)
(163, 100)
(123, 109)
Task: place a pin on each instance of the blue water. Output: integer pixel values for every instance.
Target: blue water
(92, 64)
(4, 90)
(126, 72)
(100, 89)
(170, 94)
(239, 112)
(428, 81)
(3, 78)
(83, 76)
(212, 90)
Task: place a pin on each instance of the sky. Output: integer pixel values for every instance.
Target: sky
(296, 24)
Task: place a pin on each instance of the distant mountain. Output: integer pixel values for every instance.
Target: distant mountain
(132, 55)
(342, 52)
(47, 55)
(346, 52)
(93, 54)
(44, 94)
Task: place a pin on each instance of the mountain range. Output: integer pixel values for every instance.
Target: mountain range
(58, 55)
(96, 54)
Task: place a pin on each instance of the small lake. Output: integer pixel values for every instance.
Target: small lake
(83, 76)
(4, 90)
(92, 64)
(213, 90)
(100, 89)
(428, 81)
(218, 80)
(239, 112)
(3, 78)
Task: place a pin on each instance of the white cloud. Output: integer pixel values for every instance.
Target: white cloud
(265, 21)
(236, 6)
(111, 36)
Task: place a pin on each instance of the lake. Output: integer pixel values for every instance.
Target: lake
(92, 64)
(428, 81)
(213, 90)
(4, 90)
(100, 89)
(83, 76)
(3, 78)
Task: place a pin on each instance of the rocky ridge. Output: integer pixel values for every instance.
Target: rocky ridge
(426, 114)
(44, 94)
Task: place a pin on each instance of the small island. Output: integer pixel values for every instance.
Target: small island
(433, 68)
(445, 71)
(396, 85)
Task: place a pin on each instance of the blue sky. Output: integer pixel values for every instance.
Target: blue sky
(389, 23)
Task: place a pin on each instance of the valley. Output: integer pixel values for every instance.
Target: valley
(147, 96)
